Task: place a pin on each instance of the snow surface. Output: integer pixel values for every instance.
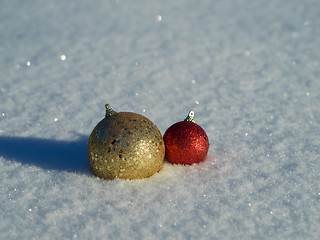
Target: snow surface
(250, 71)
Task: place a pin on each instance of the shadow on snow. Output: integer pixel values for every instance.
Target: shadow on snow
(48, 154)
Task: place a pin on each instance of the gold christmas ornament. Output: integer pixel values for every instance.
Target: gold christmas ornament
(125, 145)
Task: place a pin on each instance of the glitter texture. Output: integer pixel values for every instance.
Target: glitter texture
(125, 145)
(186, 143)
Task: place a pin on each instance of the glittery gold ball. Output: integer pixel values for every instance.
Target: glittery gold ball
(125, 145)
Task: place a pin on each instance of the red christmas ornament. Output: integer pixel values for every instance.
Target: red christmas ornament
(186, 142)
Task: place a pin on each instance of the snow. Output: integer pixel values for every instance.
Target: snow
(250, 71)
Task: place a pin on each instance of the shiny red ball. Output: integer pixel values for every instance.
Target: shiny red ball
(186, 143)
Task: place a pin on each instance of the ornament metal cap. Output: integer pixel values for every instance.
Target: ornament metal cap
(190, 117)
(109, 110)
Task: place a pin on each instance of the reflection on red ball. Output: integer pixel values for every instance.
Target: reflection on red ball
(186, 143)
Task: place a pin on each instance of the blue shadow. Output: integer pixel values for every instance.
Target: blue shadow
(48, 154)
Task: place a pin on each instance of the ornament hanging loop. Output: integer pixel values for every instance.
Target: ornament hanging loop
(190, 117)
(109, 110)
